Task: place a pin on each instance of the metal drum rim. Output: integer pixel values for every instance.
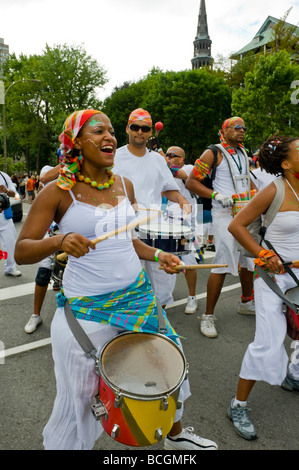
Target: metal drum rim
(136, 396)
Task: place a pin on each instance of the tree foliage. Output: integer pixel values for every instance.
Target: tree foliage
(191, 105)
(35, 112)
(265, 102)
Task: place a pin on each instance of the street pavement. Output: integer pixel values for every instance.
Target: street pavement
(28, 385)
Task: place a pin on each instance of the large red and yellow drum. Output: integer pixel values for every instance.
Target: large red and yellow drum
(140, 379)
(292, 316)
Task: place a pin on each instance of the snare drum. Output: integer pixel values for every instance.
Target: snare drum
(291, 315)
(58, 267)
(173, 238)
(140, 379)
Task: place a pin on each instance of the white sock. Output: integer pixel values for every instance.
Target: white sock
(238, 402)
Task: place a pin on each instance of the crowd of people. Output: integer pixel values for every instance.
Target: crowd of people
(97, 188)
(28, 185)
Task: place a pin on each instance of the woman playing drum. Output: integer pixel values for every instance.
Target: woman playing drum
(266, 358)
(104, 283)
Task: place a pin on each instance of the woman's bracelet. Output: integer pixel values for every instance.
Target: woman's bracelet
(264, 255)
(64, 236)
(157, 254)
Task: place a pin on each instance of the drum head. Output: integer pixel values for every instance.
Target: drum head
(293, 295)
(166, 230)
(142, 364)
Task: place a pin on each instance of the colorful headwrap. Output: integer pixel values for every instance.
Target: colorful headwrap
(225, 125)
(140, 115)
(71, 164)
(230, 121)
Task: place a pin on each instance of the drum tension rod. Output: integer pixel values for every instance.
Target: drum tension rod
(92, 354)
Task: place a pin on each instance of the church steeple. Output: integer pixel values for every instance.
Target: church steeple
(202, 44)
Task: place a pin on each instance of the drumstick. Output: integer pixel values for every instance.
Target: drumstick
(181, 267)
(124, 228)
(152, 210)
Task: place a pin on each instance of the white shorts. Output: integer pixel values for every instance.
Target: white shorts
(226, 245)
(163, 284)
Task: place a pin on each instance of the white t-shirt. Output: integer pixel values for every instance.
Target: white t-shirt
(262, 178)
(6, 181)
(174, 209)
(44, 170)
(149, 174)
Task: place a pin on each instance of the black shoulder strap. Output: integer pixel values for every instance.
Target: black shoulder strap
(4, 178)
(215, 152)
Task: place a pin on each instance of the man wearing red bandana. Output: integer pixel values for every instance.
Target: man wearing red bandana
(232, 178)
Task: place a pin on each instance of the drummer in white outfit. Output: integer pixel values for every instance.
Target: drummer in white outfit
(266, 358)
(151, 177)
(175, 157)
(232, 176)
(87, 201)
(8, 233)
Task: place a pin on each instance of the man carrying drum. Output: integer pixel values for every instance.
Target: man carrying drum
(176, 161)
(150, 176)
(232, 176)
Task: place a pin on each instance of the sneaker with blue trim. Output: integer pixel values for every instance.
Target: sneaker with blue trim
(241, 421)
(290, 384)
(186, 440)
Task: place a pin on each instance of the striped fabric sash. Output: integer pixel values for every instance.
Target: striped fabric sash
(133, 308)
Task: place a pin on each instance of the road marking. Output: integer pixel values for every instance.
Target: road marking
(18, 291)
(45, 342)
(24, 348)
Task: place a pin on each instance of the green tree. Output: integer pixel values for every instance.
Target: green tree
(265, 101)
(69, 80)
(191, 105)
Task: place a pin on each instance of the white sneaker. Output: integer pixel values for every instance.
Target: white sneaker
(247, 308)
(14, 273)
(186, 440)
(191, 306)
(207, 326)
(33, 323)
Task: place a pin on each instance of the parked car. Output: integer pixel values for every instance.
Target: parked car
(17, 207)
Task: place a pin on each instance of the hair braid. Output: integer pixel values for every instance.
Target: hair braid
(273, 152)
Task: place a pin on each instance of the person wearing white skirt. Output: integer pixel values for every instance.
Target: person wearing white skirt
(103, 282)
(266, 358)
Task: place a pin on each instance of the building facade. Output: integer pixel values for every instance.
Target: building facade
(4, 52)
(202, 56)
(263, 40)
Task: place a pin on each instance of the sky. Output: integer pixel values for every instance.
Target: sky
(129, 37)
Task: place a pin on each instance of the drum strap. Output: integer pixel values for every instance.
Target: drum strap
(84, 340)
(272, 284)
(79, 333)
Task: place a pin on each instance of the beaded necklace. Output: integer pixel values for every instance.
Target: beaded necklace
(94, 184)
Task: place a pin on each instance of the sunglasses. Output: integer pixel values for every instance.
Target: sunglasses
(238, 128)
(136, 128)
(172, 155)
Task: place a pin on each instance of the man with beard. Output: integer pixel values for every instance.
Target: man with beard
(151, 177)
(232, 177)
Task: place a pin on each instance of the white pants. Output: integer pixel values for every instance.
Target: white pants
(72, 425)
(8, 238)
(163, 284)
(226, 245)
(266, 358)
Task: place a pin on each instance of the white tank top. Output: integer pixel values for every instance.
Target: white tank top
(223, 183)
(114, 263)
(283, 234)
